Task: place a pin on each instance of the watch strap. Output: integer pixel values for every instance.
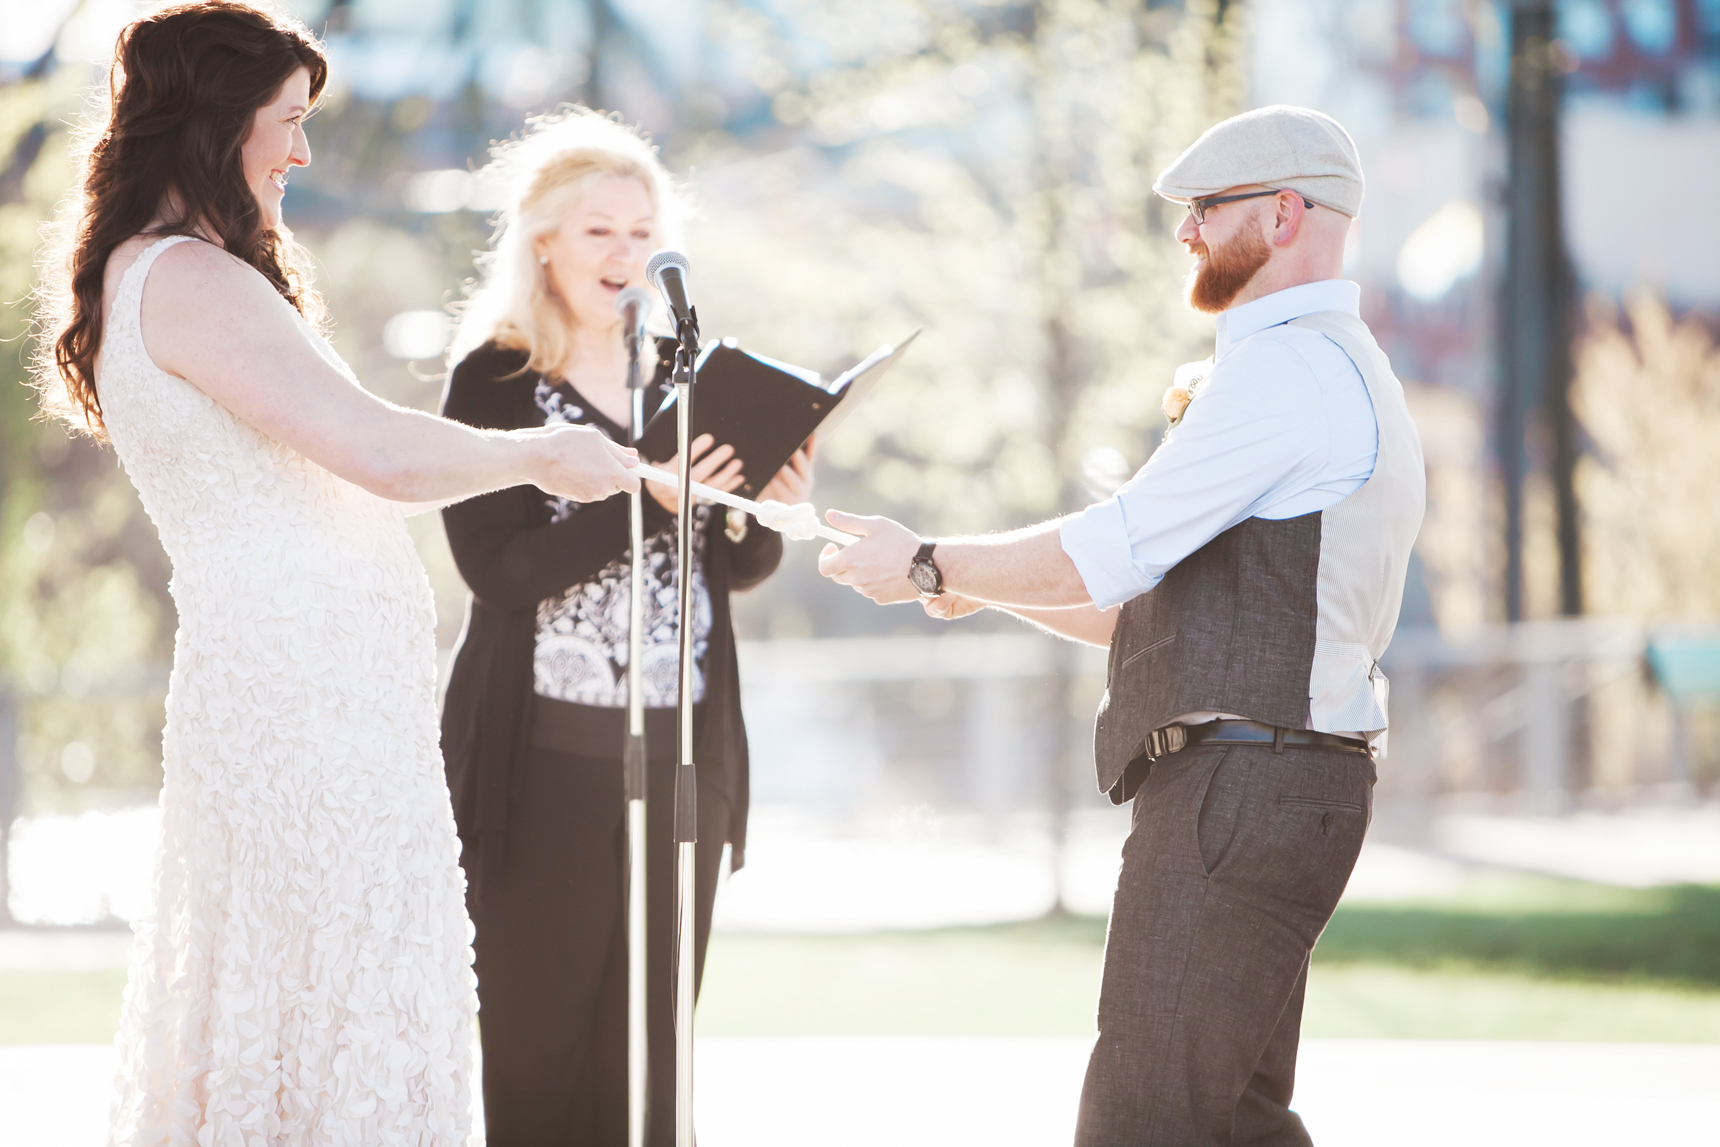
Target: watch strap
(923, 560)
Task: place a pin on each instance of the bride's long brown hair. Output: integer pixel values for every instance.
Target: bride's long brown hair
(183, 91)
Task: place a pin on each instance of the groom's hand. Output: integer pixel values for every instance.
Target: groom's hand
(877, 564)
(951, 606)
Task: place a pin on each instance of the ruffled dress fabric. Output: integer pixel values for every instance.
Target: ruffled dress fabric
(305, 974)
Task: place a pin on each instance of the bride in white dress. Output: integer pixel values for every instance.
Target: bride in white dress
(305, 974)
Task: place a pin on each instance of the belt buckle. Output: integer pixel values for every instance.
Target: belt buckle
(1164, 741)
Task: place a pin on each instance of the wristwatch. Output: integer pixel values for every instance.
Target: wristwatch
(924, 572)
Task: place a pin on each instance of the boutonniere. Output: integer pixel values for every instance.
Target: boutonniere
(1189, 376)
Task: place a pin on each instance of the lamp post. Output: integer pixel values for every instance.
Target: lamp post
(1535, 302)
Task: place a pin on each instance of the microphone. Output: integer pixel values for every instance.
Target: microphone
(634, 307)
(667, 271)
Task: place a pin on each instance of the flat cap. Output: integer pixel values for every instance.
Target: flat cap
(1279, 146)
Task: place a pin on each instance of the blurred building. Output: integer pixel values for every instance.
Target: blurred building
(1421, 84)
(421, 87)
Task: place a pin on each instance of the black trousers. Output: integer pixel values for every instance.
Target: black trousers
(1235, 861)
(552, 953)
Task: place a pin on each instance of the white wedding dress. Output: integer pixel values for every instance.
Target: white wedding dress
(305, 975)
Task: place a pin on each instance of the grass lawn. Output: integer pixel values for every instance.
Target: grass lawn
(1542, 927)
(60, 1007)
(1382, 1001)
(1043, 979)
(1511, 957)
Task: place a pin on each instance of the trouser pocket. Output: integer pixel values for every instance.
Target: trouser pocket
(1220, 808)
(1298, 825)
(1332, 813)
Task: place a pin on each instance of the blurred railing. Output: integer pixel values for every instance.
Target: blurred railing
(1497, 710)
(65, 684)
(969, 721)
(1540, 717)
(8, 796)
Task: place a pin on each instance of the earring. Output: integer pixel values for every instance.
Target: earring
(543, 260)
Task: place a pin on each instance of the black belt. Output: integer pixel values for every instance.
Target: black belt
(1168, 739)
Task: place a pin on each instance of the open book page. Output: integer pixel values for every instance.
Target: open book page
(810, 377)
(762, 408)
(853, 384)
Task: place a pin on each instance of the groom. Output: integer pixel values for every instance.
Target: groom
(1258, 562)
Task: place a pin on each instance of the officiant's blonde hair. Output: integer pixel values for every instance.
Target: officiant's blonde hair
(540, 177)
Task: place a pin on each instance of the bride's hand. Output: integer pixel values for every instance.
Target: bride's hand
(581, 462)
(719, 468)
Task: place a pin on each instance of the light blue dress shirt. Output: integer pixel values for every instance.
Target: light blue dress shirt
(1281, 426)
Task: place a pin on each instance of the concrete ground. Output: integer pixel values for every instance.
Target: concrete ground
(920, 869)
(804, 876)
(837, 1092)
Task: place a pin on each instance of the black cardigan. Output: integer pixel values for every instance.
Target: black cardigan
(512, 557)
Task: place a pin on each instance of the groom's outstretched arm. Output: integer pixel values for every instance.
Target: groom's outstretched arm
(1025, 567)
(1084, 623)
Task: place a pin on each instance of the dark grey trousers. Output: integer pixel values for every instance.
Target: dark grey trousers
(1235, 861)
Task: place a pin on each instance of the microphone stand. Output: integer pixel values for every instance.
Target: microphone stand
(686, 776)
(633, 782)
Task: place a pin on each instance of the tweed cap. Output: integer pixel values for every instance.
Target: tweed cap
(1279, 146)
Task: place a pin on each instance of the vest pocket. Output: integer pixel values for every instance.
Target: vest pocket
(1140, 653)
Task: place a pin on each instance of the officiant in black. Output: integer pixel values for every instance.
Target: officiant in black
(536, 706)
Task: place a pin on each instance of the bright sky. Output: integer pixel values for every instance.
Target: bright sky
(30, 25)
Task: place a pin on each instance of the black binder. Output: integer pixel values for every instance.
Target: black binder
(765, 409)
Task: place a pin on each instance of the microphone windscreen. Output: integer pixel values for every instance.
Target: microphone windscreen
(665, 257)
(632, 296)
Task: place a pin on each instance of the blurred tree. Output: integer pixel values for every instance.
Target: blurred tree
(983, 170)
(1647, 393)
(86, 623)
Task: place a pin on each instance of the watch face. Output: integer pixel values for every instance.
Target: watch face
(924, 577)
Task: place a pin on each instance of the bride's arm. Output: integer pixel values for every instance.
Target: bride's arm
(215, 322)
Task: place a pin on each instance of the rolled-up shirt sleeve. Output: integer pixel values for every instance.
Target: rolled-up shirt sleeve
(1097, 541)
(1257, 425)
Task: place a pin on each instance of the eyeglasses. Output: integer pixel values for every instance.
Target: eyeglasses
(1198, 207)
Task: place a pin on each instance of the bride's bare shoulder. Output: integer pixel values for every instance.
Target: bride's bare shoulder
(180, 267)
(200, 304)
(198, 280)
(194, 265)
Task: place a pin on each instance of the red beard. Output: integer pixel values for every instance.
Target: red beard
(1215, 281)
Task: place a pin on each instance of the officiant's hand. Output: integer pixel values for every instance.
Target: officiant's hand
(793, 483)
(714, 467)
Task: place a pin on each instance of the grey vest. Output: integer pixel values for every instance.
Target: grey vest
(1280, 621)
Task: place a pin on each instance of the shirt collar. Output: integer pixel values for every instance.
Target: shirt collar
(1280, 307)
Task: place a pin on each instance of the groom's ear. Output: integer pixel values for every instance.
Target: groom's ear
(1287, 219)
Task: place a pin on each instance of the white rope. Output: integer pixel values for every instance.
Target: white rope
(799, 521)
